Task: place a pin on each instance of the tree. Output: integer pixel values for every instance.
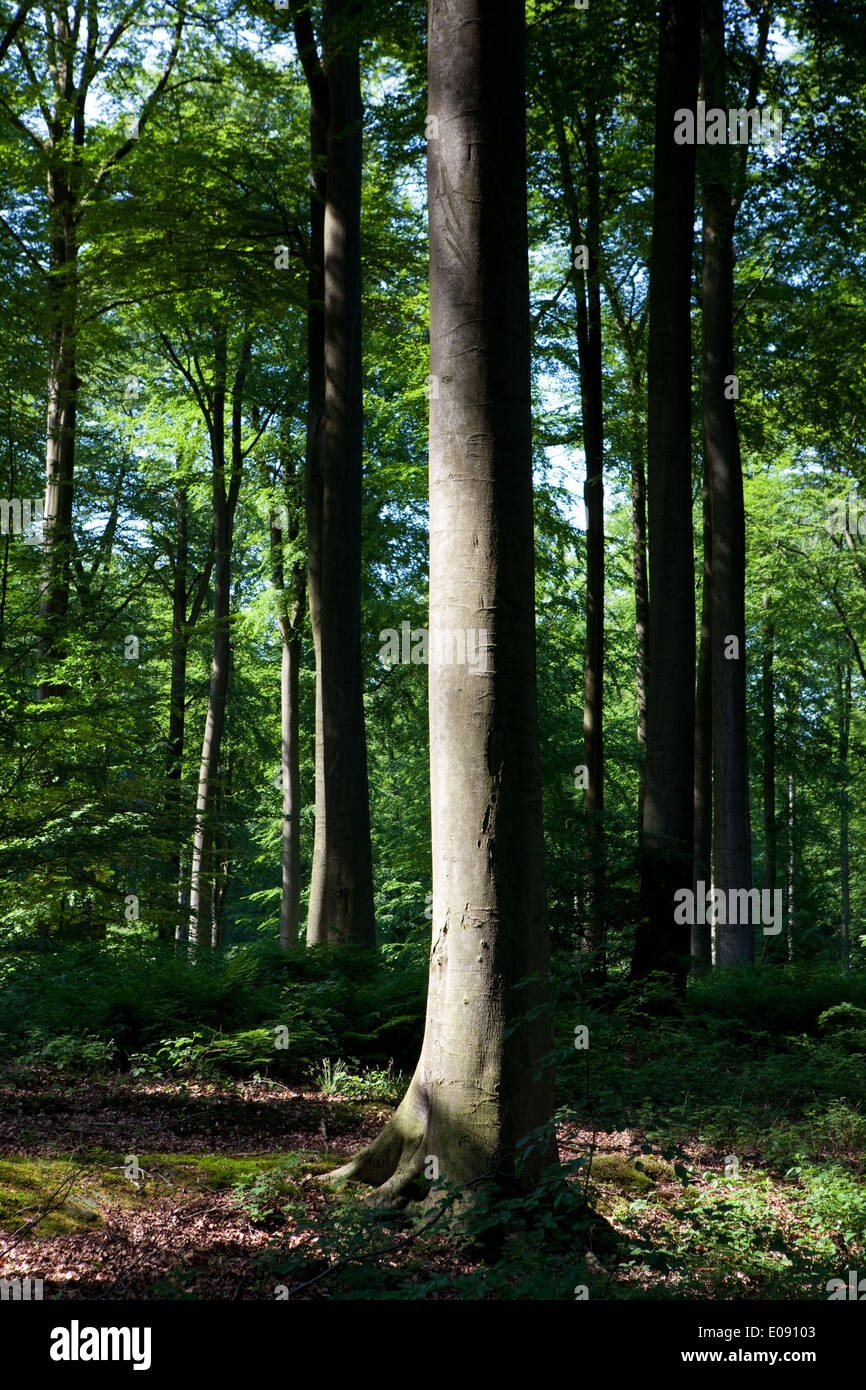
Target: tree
(212, 398)
(61, 60)
(341, 890)
(484, 1081)
(732, 841)
(666, 850)
(288, 580)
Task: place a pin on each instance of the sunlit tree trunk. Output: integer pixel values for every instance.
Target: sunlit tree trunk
(484, 1080)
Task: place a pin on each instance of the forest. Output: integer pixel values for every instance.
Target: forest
(432, 653)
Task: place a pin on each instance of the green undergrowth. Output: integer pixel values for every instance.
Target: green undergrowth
(77, 1191)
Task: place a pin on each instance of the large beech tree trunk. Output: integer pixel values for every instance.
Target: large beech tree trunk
(666, 850)
(484, 1079)
(341, 889)
(732, 841)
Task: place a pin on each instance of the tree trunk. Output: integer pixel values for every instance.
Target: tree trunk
(702, 933)
(669, 788)
(177, 695)
(732, 843)
(224, 504)
(63, 384)
(768, 694)
(341, 891)
(641, 591)
(290, 616)
(844, 861)
(588, 297)
(314, 458)
(484, 1080)
(792, 701)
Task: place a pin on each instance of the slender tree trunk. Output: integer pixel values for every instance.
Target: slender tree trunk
(177, 694)
(669, 796)
(314, 459)
(587, 297)
(484, 1080)
(290, 903)
(732, 843)
(844, 812)
(63, 384)
(589, 342)
(224, 504)
(702, 934)
(641, 590)
(221, 852)
(290, 614)
(789, 915)
(768, 692)
(792, 712)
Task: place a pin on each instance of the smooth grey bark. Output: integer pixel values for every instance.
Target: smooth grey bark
(666, 849)
(631, 331)
(641, 589)
(702, 933)
(484, 1080)
(290, 599)
(187, 600)
(317, 85)
(768, 701)
(792, 715)
(844, 819)
(201, 916)
(341, 889)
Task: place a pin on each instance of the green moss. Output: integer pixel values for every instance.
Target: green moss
(27, 1184)
(620, 1171)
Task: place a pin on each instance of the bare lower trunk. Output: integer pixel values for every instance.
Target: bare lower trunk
(201, 872)
(177, 697)
(641, 591)
(290, 608)
(589, 338)
(341, 890)
(668, 829)
(314, 457)
(768, 696)
(789, 915)
(844, 861)
(201, 908)
(701, 934)
(63, 387)
(484, 1080)
(732, 845)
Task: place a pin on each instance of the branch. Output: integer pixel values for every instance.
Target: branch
(123, 150)
(187, 375)
(9, 36)
(305, 40)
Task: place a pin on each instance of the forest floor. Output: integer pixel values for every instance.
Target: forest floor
(119, 1187)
